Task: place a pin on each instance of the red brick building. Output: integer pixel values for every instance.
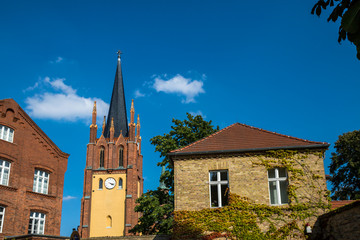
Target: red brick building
(32, 170)
(113, 173)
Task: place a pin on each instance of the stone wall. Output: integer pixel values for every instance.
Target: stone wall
(341, 223)
(191, 176)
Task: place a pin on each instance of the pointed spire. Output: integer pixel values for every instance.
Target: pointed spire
(132, 112)
(138, 127)
(117, 110)
(112, 130)
(93, 126)
(93, 122)
(103, 126)
(112, 124)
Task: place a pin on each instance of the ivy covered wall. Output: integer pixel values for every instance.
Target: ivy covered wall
(249, 214)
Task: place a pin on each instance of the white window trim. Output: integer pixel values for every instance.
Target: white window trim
(5, 133)
(2, 172)
(277, 180)
(40, 174)
(218, 182)
(2, 218)
(39, 218)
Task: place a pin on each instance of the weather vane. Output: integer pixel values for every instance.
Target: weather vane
(118, 53)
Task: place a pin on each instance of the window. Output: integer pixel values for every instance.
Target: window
(102, 153)
(121, 157)
(41, 181)
(6, 133)
(2, 216)
(219, 188)
(108, 221)
(4, 172)
(120, 183)
(278, 183)
(37, 223)
(100, 184)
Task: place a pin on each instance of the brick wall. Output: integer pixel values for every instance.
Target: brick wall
(31, 149)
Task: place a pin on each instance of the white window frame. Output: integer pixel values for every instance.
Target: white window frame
(6, 133)
(2, 217)
(3, 168)
(37, 223)
(218, 183)
(41, 181)
(277, 180)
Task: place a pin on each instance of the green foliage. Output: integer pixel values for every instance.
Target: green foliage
(157, 206)
(245, 219)
(349, 11)
(182, 134)
(345, 167)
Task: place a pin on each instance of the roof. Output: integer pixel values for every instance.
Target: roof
(340, 203)
(243, 138)
(117, 108)
(12, 104)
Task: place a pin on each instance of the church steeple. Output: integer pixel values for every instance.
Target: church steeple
(117, 110)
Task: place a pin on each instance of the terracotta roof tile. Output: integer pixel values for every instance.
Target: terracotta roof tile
(241, 137)
(340, 203)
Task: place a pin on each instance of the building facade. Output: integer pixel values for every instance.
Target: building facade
(264, 167)
(32, 170)
(113, 173)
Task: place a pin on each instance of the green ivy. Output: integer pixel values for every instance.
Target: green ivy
(244, 219)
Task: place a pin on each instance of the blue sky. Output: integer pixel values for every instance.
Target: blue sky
(268, 64)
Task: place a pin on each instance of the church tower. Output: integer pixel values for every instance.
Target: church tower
(113, 173)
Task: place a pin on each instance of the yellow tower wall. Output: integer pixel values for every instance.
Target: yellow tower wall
(105, 203)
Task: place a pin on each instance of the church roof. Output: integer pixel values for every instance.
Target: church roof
(243, 138)
(117, 109)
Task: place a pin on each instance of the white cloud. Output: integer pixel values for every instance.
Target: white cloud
(180, 85)
(57, 60)
(66, 198)
(139, 94)
(64, 104)
(31, 87)
(198, 112)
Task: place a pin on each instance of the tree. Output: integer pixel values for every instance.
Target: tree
(157, 206)
(345, 167)
(349, 11)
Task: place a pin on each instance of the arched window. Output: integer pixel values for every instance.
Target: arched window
(120, 183)
(100, 183)
(102, 154)
(108, 221)
(121, 157)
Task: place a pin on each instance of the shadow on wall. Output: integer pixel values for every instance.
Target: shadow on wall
(341, 223)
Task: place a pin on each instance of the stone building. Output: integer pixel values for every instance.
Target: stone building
(250, 162)
(113, 173)
(32, 170)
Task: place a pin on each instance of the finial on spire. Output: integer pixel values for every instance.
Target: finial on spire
(94, 108)
(119, 53)
(112, 123)
(103, 126)
(132, 104)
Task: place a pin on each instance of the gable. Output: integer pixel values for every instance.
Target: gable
(242, 138)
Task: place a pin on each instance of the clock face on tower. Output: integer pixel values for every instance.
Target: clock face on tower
(110, 183)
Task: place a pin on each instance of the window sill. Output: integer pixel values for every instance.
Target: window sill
(279, 205)
(8, 188)
(41, 194)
